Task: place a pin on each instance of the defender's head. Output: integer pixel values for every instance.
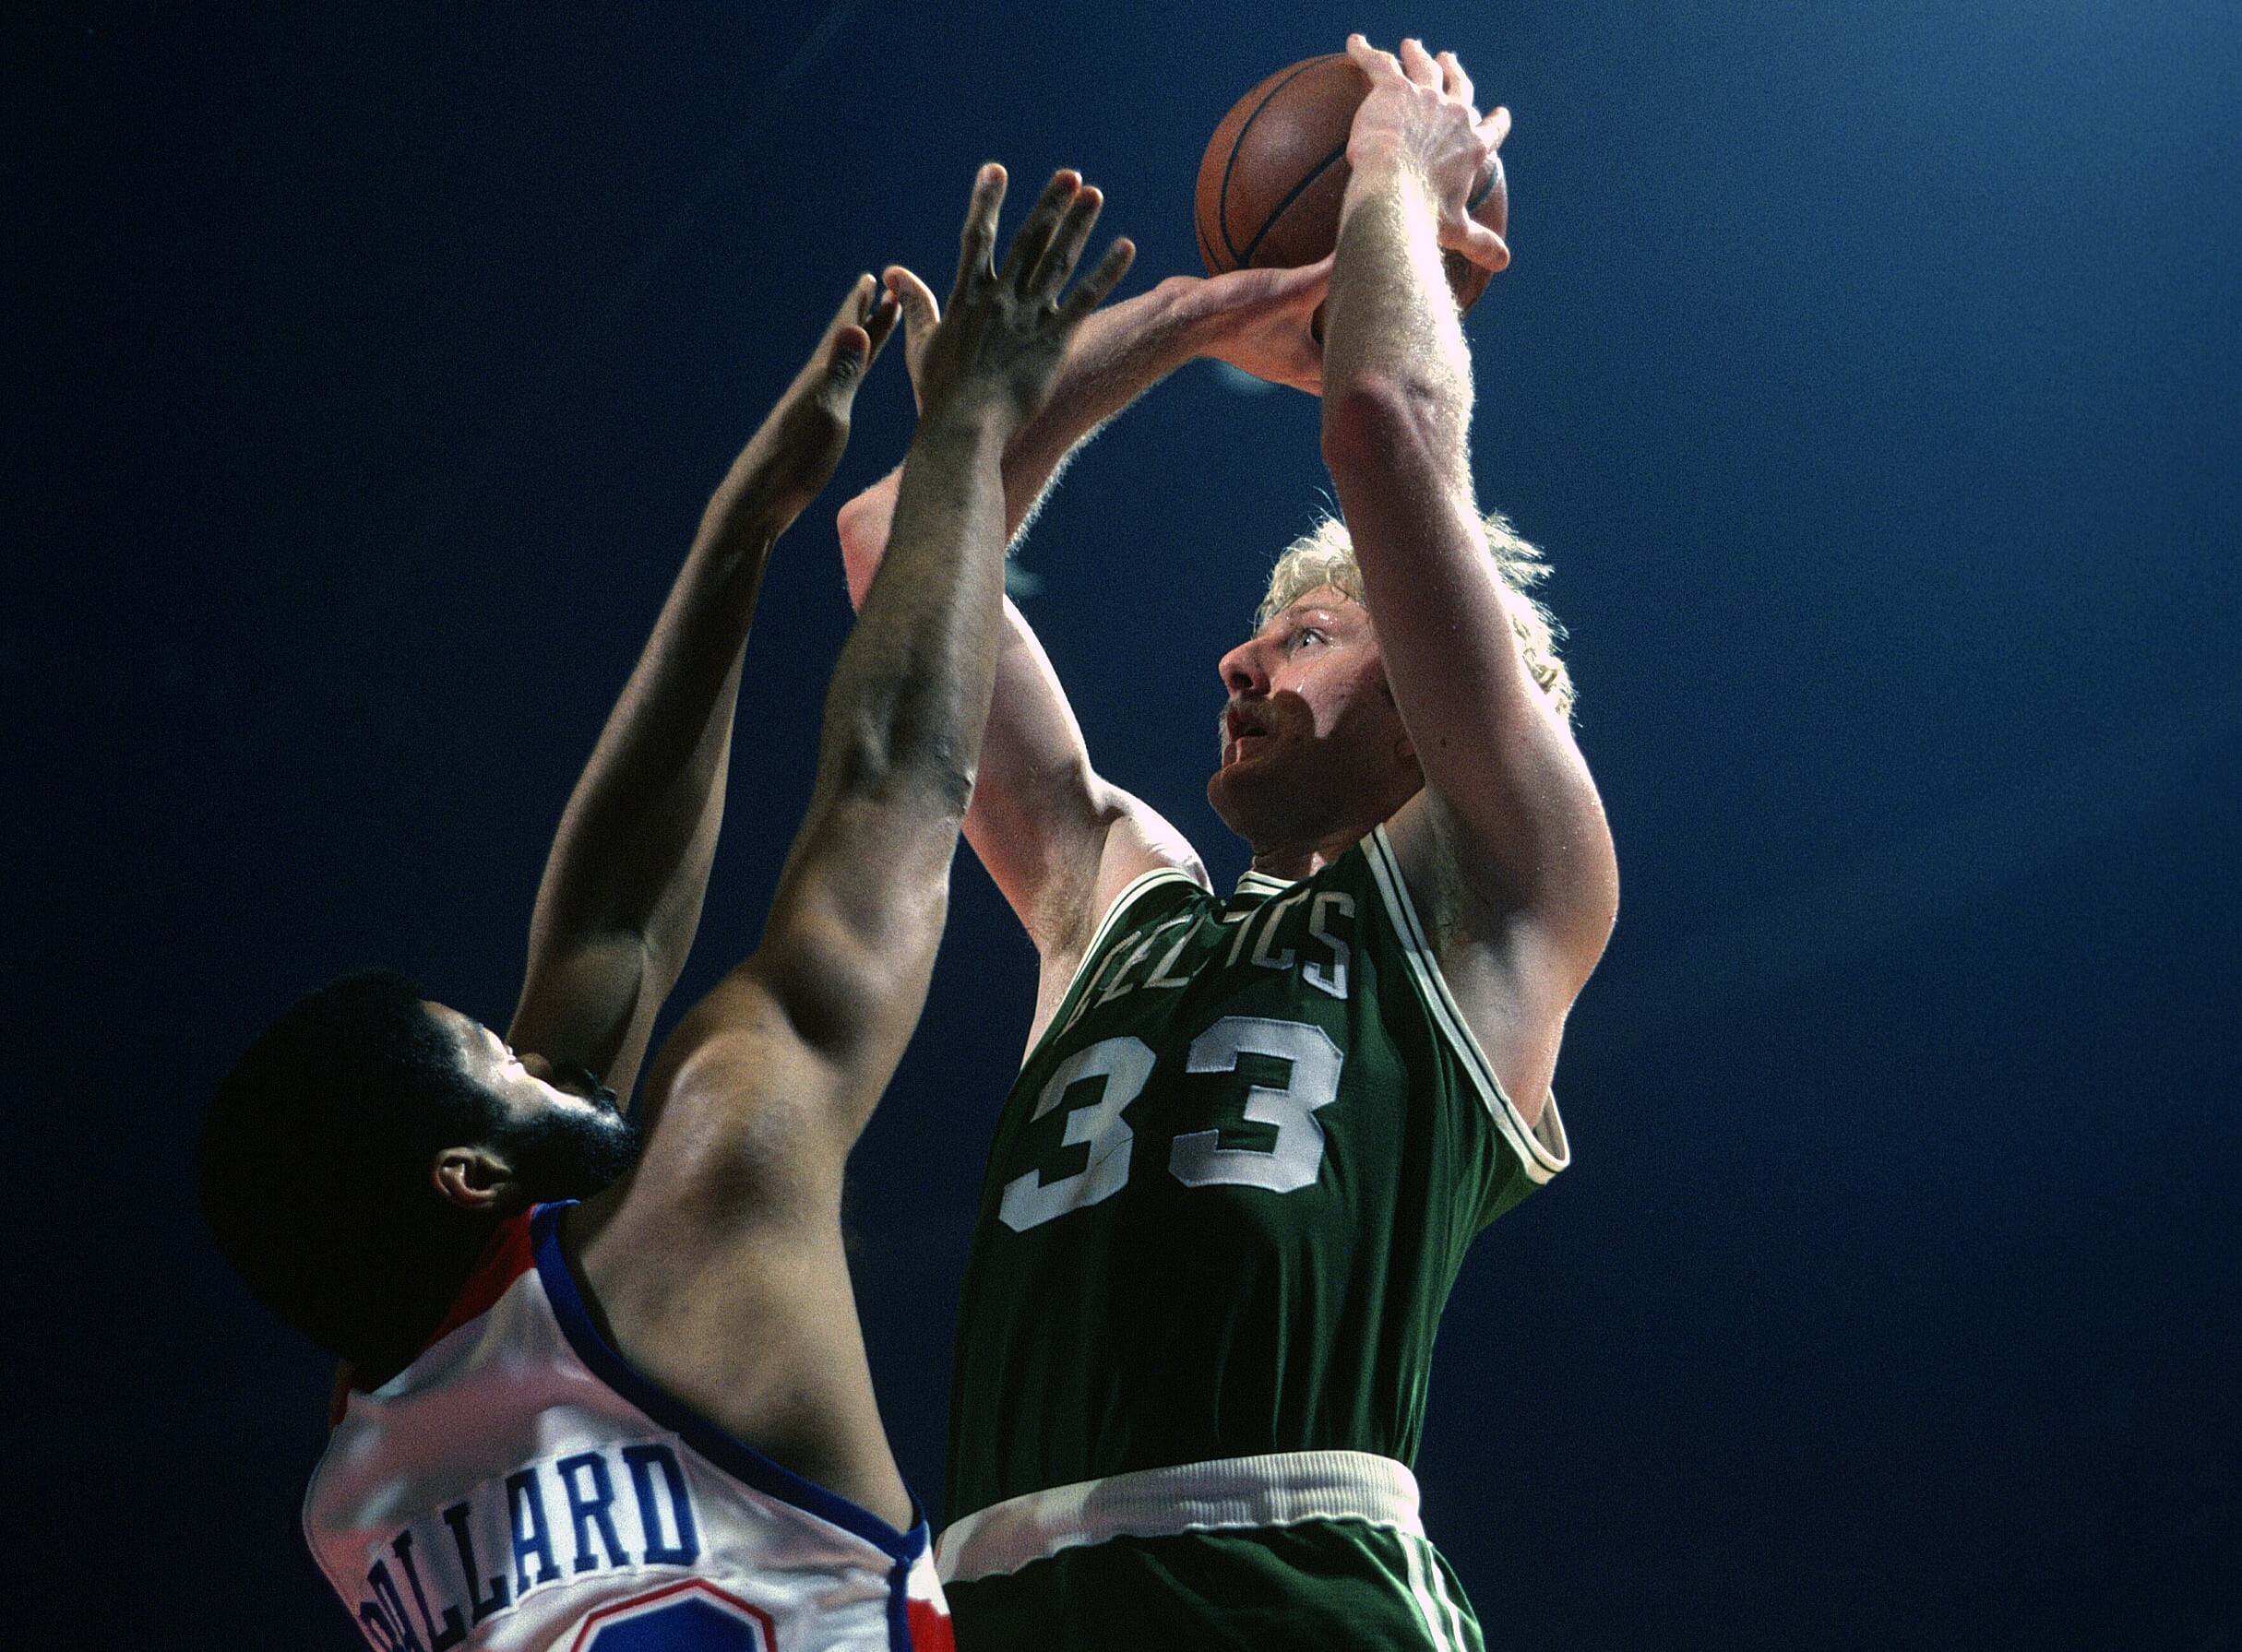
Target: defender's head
(357, 1159)
(1312, 744)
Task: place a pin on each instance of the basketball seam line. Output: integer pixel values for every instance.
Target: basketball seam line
(1206, 248)
(1222, 198)
(1268, 224)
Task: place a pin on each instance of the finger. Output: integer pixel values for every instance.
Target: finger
(881, 325)
(1298, 287)
(846, 348)
(857, 306)
(1101, 282)
(1417, 63)
(977, 243)
(921, 314)
(1380, 66)
(1300, 283)
(1067, 243)
(1483, 247)
(1495, 127)
(849, 354)
(1458, 83)
(1026, 249)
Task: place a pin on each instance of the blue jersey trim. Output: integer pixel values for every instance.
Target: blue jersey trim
(733, 1455)
(898, 1612)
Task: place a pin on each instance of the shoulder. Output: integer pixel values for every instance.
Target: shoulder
(1512, 989)
(1140, 845)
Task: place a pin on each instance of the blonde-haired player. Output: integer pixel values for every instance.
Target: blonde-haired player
(1254, 1134)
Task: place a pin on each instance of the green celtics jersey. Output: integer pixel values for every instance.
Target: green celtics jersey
(1231, 1189)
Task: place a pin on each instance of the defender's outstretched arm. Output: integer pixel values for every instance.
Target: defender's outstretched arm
(623, 886)
(719, 1260)
(830, 997)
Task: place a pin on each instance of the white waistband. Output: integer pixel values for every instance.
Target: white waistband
(1280, 1490)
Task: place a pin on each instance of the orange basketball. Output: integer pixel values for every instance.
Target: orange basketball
(1276, 170)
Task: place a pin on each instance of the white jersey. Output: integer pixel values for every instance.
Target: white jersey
(520, 1486)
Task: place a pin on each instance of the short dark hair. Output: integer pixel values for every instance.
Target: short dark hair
(314, 1168)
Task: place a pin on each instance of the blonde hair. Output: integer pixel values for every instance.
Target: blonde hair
(1325, 555)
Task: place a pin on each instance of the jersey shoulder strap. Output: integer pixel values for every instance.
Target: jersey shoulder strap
(1152, 896)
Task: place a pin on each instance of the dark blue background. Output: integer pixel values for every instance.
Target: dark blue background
(1872, 375)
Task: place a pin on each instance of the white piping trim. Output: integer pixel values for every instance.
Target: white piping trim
(1541, 1159)
(1089, 958)
(1420, 1589)
(1441, 1591)
(1129, 891)
(1232, 1493)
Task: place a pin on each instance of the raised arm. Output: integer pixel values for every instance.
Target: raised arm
(1059, 840)
(1508, 804)
(623, 882)
(720, 1262)
(814, 1023)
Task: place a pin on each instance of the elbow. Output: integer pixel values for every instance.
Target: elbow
(1377, 417)
(852, 521)
(941, 776)
(915, 771)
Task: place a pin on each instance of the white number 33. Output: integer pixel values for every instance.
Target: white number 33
(1119, 1069)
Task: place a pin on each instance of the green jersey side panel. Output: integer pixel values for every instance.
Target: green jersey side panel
(1230, 1190)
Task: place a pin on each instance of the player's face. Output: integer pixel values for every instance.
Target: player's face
(1310, 735)
(563, 1134)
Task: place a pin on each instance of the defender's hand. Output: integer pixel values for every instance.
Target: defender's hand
(1258, 320)
(1420, 113)
(921, 314)
(800, 445)
(1004, 334)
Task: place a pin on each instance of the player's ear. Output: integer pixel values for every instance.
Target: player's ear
(473, 1179)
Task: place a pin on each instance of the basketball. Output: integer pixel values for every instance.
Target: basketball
(1275, 171)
